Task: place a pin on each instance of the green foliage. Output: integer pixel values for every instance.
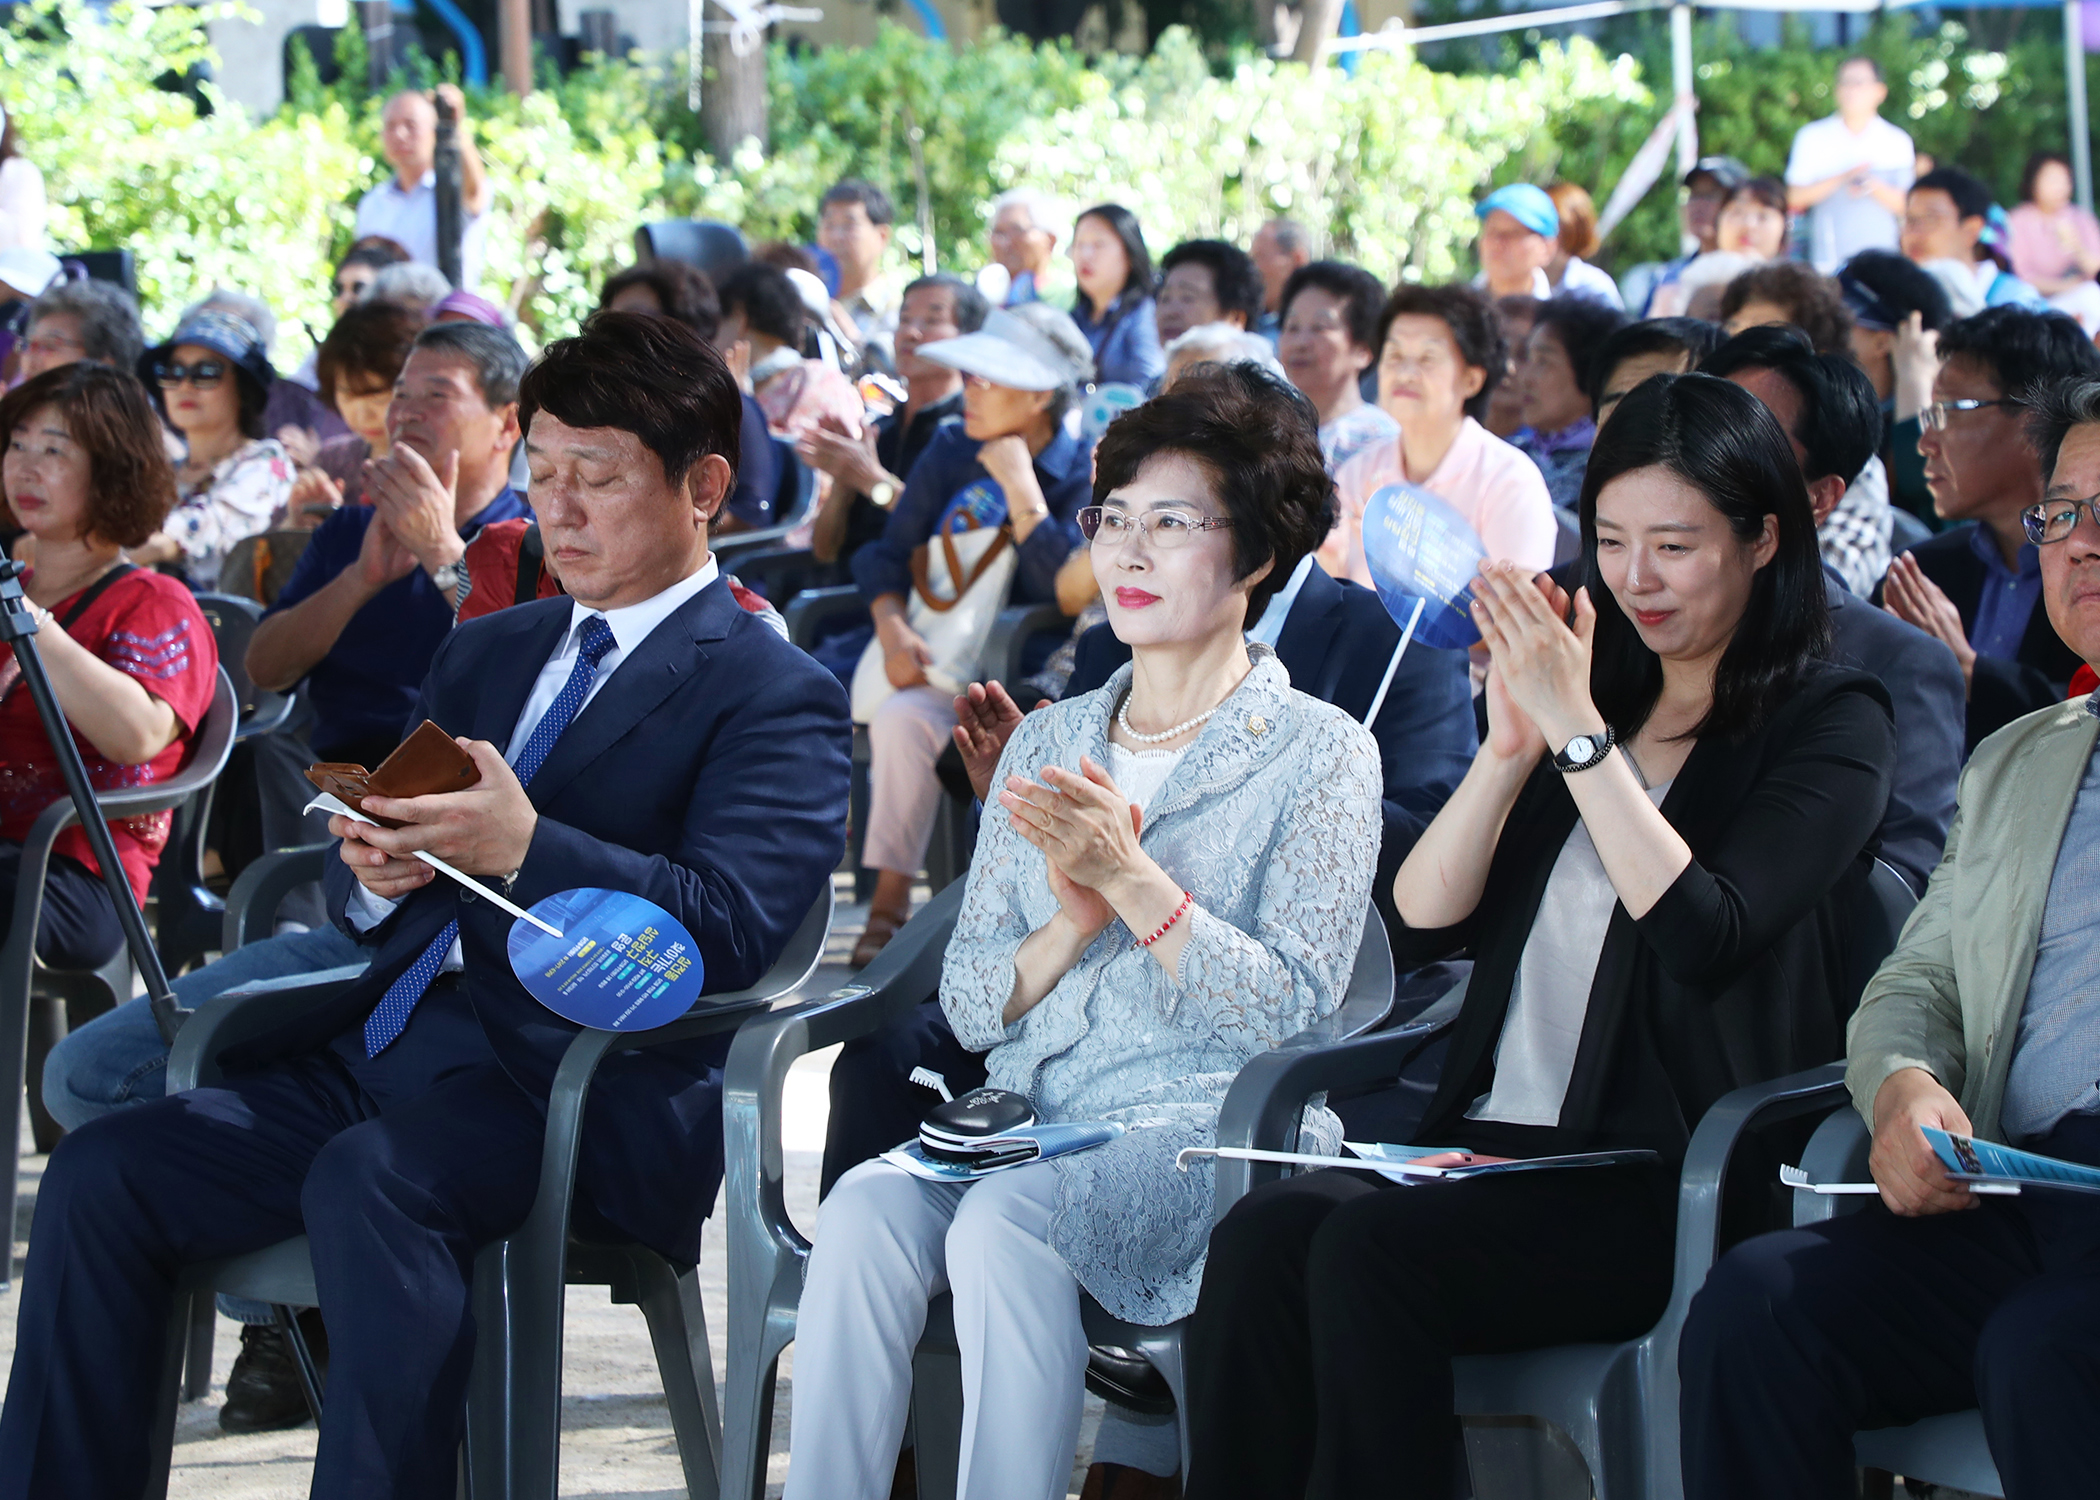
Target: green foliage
(1383, 165)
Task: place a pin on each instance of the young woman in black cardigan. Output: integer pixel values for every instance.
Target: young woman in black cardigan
(1650, 860)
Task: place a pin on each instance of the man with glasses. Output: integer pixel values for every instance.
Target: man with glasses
(1976, 587)
(1985, 1022)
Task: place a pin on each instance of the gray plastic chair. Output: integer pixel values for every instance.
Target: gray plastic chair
(28, 989)
(767, 1253)
(513, 1441)
(1948, 1450)
(1616, 1402)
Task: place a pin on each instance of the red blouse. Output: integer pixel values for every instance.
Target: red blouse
(147, 626)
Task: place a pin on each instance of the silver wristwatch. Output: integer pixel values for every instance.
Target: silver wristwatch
(447, 578)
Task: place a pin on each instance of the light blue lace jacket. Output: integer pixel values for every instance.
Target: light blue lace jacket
(1272, 821)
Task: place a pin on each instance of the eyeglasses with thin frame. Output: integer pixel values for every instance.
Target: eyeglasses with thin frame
(204, 374)
(2053, 520)
(1934, 417)
(1166, 529)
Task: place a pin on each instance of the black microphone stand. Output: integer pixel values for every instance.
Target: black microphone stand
(18, 628)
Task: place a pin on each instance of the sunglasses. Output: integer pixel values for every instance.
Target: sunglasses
(204, 374)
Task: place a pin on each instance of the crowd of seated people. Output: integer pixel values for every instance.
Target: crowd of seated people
(1729, 659)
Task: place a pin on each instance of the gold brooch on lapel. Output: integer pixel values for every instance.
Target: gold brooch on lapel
(1257, 725)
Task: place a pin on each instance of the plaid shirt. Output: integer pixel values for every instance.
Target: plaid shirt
(1854, 538)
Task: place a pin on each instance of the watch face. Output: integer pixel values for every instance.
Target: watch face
(1582, 747)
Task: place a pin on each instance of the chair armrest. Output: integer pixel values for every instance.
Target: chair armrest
(812, 607)
(767, 565)
(241, 1015)
(1267, 1100)
(1009, 638)
(902, 976)
(251, 906)
(271, 710)
(1837, 1152)
(1706, 1165)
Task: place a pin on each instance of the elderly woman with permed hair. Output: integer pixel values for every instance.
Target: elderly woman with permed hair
(1174, 879)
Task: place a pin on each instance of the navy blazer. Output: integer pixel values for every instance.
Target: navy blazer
(1925, 685)
(2000, 691)
(709, 774)
(1336, 643)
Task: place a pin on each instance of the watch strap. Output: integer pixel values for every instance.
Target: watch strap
(1600, 747)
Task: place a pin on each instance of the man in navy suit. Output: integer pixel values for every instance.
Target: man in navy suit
(1832, 417)
(643, 734)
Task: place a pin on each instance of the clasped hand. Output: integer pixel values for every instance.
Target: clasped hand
(1088, 832)
(1539, 681)
(485, 830)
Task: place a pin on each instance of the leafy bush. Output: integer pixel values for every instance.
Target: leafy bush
(1383, 165)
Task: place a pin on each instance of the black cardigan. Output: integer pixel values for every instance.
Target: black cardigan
(1739, 974)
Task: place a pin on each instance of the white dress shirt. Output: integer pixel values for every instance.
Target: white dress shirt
(1270, 626)
(409, 218)
(630, 625)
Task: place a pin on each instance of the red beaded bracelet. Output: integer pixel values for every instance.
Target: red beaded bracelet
(1187, 901)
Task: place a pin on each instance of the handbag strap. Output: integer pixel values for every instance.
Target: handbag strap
(93, 592)
(920, 567)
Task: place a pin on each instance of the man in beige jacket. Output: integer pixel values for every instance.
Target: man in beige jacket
(1985, 1021)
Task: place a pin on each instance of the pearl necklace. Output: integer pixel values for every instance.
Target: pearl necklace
(1123, 718)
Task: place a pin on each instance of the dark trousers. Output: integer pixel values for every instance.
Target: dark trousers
(79, 927)
(397, 1195)
(874, 1103)
(1319, 1357)
(1800, 1339)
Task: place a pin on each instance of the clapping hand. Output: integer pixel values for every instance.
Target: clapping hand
(847, 456)
(416, 502)
(985, 719)
(1910, 596)
(381, 559)
(1541, 667)
(1087, 830)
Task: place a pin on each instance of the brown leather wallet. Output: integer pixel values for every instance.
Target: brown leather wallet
(428, 761)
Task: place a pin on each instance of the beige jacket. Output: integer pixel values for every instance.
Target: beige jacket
(1948, 999)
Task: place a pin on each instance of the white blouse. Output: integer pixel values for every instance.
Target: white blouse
(1551, 996)
(1139, 774)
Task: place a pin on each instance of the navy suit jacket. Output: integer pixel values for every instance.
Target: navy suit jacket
(2000, 691)
(1336, 643)
(709, 774)
(1925, 686)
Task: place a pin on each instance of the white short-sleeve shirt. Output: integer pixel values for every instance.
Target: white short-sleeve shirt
(1848, 222)
(410, 219)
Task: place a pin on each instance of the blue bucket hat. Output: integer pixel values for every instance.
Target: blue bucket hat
(1527, 204)
(221, 332)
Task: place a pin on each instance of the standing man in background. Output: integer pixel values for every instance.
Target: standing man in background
(854, 223)
(1849, 171)
(404, 207)
(1280, 247)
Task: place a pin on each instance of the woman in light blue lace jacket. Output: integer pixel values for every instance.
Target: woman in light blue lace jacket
(1175, 879)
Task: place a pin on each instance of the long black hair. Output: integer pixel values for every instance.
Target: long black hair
(1722, 441)
(1125, 226)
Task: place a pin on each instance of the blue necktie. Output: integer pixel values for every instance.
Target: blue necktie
(390, 1018)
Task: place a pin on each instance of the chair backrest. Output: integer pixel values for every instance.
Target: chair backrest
(798, 485)
(1567, 536)
(714, 247)
(233, 620)
(1871, 935)
(259, 567)
(1906, 530)
(1369, 998)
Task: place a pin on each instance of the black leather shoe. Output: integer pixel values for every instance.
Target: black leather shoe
(263, 1394)
(1127, 1378)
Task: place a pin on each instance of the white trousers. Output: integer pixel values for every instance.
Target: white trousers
(886, 1245)
(905, 739)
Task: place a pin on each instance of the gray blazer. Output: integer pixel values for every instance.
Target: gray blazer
(1954, 987)
(1271, 820)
